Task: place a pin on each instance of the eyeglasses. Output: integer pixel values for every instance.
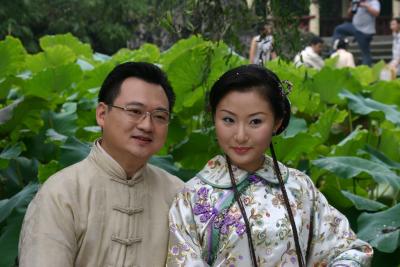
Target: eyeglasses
(159, 117)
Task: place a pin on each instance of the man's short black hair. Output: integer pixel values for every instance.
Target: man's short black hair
(148, 72)
(316, 40)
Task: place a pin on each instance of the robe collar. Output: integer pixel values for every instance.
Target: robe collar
(110, 166)
(216, 173)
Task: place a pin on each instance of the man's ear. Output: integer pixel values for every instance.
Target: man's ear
(101, 112)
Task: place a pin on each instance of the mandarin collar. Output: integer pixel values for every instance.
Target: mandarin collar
(109, 165)
(216, 173)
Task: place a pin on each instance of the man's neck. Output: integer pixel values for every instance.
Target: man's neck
(129, 163)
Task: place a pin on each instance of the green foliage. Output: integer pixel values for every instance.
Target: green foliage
(344, 131)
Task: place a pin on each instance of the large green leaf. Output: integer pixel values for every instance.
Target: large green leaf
(46, 170)
(361, 105)
(12, 55)
(350, 145)
(180, 47)
(379, 157)
(63, 122)
(25, 115)
(293, 148)
(9, 239)
(296, 125)
(6, 113)
(222, 60)
(54, 56)
(187, 72)
(73, 151)
(381, 229)
(67, 40)
(146, 53)
(20, 172)
(364, 203)
(323, 126)
(364, 74)
(329, 82)
(389, 142)
(349, 167)
(10, 152)
(386, 92)
(20, 200)
(193, 153)
(54, 82)
(167, 163)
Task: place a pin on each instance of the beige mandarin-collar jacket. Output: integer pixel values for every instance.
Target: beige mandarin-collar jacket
(90, 214)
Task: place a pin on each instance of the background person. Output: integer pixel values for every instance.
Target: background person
(110, 209)
(246, 209)
(261, 47)
(362, 26)
(345, 58)
(395, 62)
(310, 56)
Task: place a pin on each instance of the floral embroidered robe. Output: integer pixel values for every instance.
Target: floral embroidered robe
(207, 229)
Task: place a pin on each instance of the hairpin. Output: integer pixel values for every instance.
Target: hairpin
(286, 87)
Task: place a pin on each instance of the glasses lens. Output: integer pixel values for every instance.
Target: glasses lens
(160, 117)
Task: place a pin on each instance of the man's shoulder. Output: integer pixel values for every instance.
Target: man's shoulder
(69, 177)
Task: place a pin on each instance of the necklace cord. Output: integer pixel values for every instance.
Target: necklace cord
(288, 208)
(242, 210)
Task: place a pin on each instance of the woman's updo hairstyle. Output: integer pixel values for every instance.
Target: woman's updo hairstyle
(247, 78)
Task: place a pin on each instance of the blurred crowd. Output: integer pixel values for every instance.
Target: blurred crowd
(361, 29)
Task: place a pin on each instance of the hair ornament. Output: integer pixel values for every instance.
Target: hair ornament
(286, 87)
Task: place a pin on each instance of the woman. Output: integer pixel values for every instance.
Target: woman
(345, 58)
(246, 209)
(261, 47)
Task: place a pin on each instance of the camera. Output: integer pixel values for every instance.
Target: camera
(354, 5)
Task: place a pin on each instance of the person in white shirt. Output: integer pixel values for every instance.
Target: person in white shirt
(395, 62)
(261, 48)
(310, 56)
(345, 58)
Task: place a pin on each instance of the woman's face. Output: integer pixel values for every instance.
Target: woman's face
(244, 123)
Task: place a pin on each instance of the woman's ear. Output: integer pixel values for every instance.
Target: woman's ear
(277, 125)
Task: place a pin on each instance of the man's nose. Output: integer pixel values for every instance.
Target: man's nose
(145, 122)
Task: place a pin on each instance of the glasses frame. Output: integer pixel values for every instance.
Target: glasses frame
(145, 114)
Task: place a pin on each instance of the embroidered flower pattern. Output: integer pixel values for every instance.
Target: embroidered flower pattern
(192, 226)
(203, 207)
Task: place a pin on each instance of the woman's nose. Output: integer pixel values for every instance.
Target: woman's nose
(241, 135)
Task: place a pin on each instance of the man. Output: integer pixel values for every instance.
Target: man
(310, 56)
(362, 26)
(395, 62)
(111, 209)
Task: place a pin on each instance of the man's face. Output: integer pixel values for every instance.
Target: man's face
(317, 48)
(126, 139)
(394, 26)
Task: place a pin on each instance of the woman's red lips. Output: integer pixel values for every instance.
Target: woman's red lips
(241, 150)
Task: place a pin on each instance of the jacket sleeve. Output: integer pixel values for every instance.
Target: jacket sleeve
(184, 248)
(333, 242)
(48, 237)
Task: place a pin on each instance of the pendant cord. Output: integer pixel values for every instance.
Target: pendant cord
(288, 208)
(243, 211)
